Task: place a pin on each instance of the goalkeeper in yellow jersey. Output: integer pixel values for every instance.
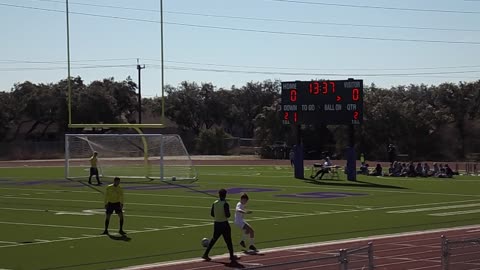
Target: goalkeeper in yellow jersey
(114, 202)
(94, 169)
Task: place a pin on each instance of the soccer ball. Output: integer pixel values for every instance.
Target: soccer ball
(174, 178)
(205, 242)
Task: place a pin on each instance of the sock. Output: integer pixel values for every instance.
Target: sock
(243, 236)
(106, 224)
(252, 241)
(121, 225)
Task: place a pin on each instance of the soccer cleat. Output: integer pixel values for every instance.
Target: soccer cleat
(105, 232)
(242, 243)
(122, 232)
(252, 247)
(206, 258)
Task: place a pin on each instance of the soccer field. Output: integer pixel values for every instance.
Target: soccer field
(47, 222)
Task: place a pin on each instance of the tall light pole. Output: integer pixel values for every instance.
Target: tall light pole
(161, 63)
(140, 67)
(69, 83)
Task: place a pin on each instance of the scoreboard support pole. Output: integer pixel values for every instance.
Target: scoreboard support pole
(298, 160)
(351, 157)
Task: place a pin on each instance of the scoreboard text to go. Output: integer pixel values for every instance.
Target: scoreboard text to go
(336, 102)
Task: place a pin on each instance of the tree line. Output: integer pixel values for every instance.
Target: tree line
(436, 122)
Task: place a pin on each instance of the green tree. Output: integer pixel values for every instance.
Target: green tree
(6, 113)
(461, 103)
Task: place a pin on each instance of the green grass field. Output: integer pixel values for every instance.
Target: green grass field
(47, 222)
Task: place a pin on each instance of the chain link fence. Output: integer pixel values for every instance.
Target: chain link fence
(344, 259)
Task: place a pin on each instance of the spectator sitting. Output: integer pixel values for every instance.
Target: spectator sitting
(419, 169)
(436, 170)
(378, 171)
(404, 171)
(397, 169)
(441, 172)
(411, 170)
(391, 169)
(448, 171)
(363, 169)
(426, 170)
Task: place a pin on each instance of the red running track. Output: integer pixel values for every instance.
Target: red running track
(412, 251)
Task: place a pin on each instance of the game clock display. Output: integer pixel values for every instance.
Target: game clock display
(336, 102)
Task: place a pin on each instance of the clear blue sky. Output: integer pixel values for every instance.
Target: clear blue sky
(40, 36)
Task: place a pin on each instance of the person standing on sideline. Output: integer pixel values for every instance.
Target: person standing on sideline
(392, 153)
(291, 155)
(94, 169)
(220, 212)
(114, 202)
(246, 229)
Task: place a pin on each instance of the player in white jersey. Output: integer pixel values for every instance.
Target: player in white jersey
(240, 222)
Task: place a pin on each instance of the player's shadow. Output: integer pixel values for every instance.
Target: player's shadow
(120, 238)
(341, 183)
(232, 264)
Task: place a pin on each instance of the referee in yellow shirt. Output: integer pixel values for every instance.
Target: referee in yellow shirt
(220, 212)
(114, 202)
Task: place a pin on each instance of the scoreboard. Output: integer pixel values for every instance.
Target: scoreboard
(334, 102)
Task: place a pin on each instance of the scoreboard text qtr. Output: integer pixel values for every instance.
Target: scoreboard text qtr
(336, 102)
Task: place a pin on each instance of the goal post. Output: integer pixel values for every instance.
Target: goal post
(136, 156)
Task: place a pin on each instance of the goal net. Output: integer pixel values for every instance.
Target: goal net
(151, 156)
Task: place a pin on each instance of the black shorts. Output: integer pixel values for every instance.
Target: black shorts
(114, 207)
(93, 171)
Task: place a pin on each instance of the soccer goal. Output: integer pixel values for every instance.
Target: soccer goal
(139, 156)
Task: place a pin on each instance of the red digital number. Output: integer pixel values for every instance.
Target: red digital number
(286, 116)
(325, 88)
(333, 86)
(314, 88)
(293, 95)
(355, 94)
(355, 115)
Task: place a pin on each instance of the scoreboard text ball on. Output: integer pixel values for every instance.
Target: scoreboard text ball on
(337, 102)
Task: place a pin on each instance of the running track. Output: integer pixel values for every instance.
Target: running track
(412, 251)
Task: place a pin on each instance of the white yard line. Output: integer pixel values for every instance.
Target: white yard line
(64, 239)
(50, 225)
(23, 209)
(141, 204)
(41, 240)
(260, 200)
(359, 189)
(90, 213)
(446, 214)
(180, 196)
(434, 208)
(165, 217)
(7, 242)
(260, 218)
